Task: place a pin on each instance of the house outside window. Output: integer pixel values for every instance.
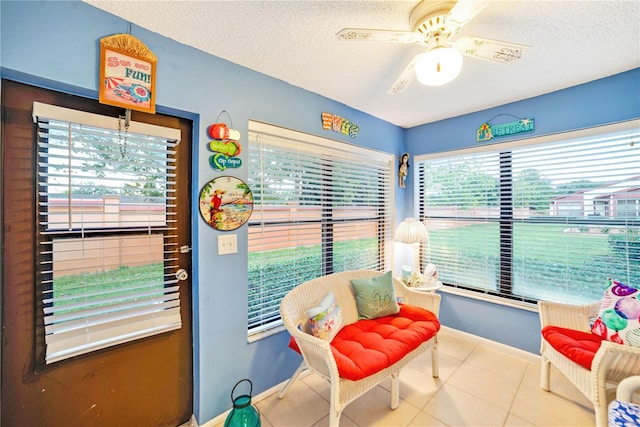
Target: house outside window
(320, 207)
(547, 218)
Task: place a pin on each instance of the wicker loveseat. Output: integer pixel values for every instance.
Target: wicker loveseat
(346, 361)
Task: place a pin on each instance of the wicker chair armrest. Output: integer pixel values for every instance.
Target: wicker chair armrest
(427, 300)
(612, 363)
(566, 315)
(616, 359)
(317, 354)
(315, 351)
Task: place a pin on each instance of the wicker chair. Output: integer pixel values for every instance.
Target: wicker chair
(612, 362)
(317, 353)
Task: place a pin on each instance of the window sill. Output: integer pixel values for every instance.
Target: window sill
(489, 298)
(254, 336)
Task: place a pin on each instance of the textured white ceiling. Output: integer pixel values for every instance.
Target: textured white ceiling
(571, 42)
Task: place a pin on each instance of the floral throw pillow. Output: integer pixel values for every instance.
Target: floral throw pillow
(325, 319)
(619, 316)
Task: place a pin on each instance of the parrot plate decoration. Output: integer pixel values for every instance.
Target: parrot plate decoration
(226, 203)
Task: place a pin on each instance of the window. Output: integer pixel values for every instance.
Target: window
(545, 218)
(628, 207)
(321, 206)
(107, 266)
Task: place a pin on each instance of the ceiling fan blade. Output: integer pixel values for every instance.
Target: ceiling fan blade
(490, 50)
(464, 11)
(363, 34)
(405, 78)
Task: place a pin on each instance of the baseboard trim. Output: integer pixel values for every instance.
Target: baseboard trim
(503, 348)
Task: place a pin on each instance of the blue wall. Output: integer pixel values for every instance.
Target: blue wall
(56, 45)
(600, 102)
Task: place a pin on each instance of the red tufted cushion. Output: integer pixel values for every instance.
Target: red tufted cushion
(368, 346)
(577, 346)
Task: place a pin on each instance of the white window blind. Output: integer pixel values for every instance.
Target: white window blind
(320, 206)
(546, 218)
(106, 240)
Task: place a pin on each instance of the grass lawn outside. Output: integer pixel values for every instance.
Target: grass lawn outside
(81, 291)
(550, 261)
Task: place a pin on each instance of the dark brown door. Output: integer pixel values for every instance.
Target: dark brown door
(147, 382)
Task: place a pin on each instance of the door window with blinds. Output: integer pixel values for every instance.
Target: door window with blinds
(547, 218)
(106, 240)
(320, 206)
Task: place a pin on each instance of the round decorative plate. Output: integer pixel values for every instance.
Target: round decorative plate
(226, 203)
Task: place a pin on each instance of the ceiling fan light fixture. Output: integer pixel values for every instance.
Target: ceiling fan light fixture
(439, 66)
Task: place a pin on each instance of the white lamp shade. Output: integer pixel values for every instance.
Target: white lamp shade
(439, 66)
(411, 231)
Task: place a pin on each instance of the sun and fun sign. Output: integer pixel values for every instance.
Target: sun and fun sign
(127, 73)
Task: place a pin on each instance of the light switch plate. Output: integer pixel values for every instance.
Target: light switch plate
(227, 244)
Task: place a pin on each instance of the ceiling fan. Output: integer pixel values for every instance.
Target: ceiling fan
(434, 24)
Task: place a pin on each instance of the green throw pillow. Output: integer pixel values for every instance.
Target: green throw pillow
(375, 297)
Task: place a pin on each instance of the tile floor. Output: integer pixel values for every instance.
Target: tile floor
(480, 384)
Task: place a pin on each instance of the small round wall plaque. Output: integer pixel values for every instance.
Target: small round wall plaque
(226, 203)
